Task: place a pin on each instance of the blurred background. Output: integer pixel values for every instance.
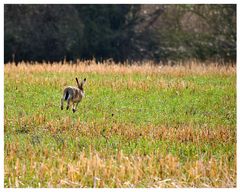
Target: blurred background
(160, 33)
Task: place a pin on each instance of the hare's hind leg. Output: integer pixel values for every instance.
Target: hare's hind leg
(62, 103)
(68, 103)
(64, 97)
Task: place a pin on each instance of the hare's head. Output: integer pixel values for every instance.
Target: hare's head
(80, 86)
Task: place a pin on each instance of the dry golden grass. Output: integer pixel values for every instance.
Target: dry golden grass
(180, 69)
(153, 170)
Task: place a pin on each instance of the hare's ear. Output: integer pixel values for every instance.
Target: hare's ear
(78, 82)
(83, 82)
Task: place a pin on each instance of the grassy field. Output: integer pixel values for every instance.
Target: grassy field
(138, 126)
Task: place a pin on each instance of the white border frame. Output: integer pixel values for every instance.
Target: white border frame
(104, 2)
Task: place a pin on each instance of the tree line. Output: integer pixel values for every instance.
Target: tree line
(120, 32)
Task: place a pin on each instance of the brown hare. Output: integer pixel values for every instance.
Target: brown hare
(73, 95)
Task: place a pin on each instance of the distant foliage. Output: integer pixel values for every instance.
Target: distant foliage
(120, 32)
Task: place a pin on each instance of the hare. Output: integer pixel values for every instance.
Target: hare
(73, 94)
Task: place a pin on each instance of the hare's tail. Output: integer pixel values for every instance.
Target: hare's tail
(66, 95)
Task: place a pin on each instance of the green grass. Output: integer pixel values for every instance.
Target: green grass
(139, 114)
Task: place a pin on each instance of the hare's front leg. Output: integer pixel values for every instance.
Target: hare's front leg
(75, 107)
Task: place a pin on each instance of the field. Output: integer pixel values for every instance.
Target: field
(138, 126)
